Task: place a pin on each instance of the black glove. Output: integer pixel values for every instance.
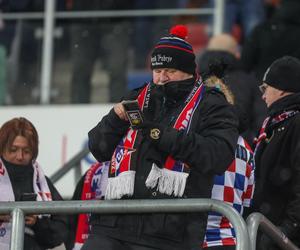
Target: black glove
(151, 131)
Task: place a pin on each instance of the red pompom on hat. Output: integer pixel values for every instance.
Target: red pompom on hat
(179, 30)
(173, 51)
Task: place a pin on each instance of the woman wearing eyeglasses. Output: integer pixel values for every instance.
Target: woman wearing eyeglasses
(277, 152)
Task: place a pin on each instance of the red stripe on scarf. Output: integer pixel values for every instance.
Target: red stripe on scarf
(183, 121)
(122, 155)
(87, 194)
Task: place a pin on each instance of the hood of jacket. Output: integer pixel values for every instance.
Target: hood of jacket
(288, 12)
(213, 57)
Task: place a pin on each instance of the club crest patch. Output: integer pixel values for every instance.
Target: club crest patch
(155, 133)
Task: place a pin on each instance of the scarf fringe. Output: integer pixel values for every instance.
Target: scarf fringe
(77, 246)
(121, 185)
(167, 181)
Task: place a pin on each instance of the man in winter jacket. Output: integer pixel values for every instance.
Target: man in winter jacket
(273, 39)
(277, 158)
(188, 135)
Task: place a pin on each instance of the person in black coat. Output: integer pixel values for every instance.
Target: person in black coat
(277, 158)
(187, 128)
(273, 39)
(22, 179)
(103, 39)
(223, 52)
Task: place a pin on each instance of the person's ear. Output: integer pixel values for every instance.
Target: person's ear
(282, 93)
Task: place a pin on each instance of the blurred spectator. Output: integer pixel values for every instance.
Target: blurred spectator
(223, 50)
(270, 7)
(147, 28)
(247, 13)
(106, 39)
(274, 38)
(240, 16)
(2, 73)
(143, 33)
(22, 48)
(198, 25)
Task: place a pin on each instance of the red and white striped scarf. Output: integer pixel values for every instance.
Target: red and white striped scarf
(267, 123)
(40, 187)
(171, 179)
(94, 186)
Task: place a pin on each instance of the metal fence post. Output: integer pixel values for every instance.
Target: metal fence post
(77, 172)
(218, 17)
(17, 230)
(256, 220)
(47, 52)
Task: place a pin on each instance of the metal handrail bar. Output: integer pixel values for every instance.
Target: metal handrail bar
(69, 165)
(218, 17)
(256, 220)
(109, 13)
(47, 52)
(127, 206)
(18, 228)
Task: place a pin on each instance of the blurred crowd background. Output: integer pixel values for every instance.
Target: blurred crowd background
(96, 58)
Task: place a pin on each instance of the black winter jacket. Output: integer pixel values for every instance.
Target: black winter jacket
(244, 87)
(273, 39)
(208, 149)
(49, 232)
(277, 162)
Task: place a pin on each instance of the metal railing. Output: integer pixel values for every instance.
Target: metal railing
(18, 209)
(256, 220)
(72, 163)
(50, 15)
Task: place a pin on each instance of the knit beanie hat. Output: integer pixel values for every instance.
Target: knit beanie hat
(174, 52)
(284, 74)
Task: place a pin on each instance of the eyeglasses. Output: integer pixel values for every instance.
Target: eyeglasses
(263, 88)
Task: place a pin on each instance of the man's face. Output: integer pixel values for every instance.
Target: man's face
(19, 152)
(165, 75)
(270, 94)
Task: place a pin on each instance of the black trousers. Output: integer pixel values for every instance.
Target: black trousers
(103, 242)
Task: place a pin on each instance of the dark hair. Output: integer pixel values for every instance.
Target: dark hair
(18, 127)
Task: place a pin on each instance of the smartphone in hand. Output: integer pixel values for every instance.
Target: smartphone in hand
(133, 112)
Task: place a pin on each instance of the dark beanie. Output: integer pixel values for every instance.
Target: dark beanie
(173, 51)
(284, 74)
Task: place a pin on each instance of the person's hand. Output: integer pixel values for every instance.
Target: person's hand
(30, 220)
(120, 111)
(5, 218)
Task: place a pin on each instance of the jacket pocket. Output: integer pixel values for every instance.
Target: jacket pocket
(104, 220)
(165, 226)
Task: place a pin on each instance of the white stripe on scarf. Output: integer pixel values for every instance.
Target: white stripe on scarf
(7, 194)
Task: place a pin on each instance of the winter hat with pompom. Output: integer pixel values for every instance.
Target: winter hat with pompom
(173, 51)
